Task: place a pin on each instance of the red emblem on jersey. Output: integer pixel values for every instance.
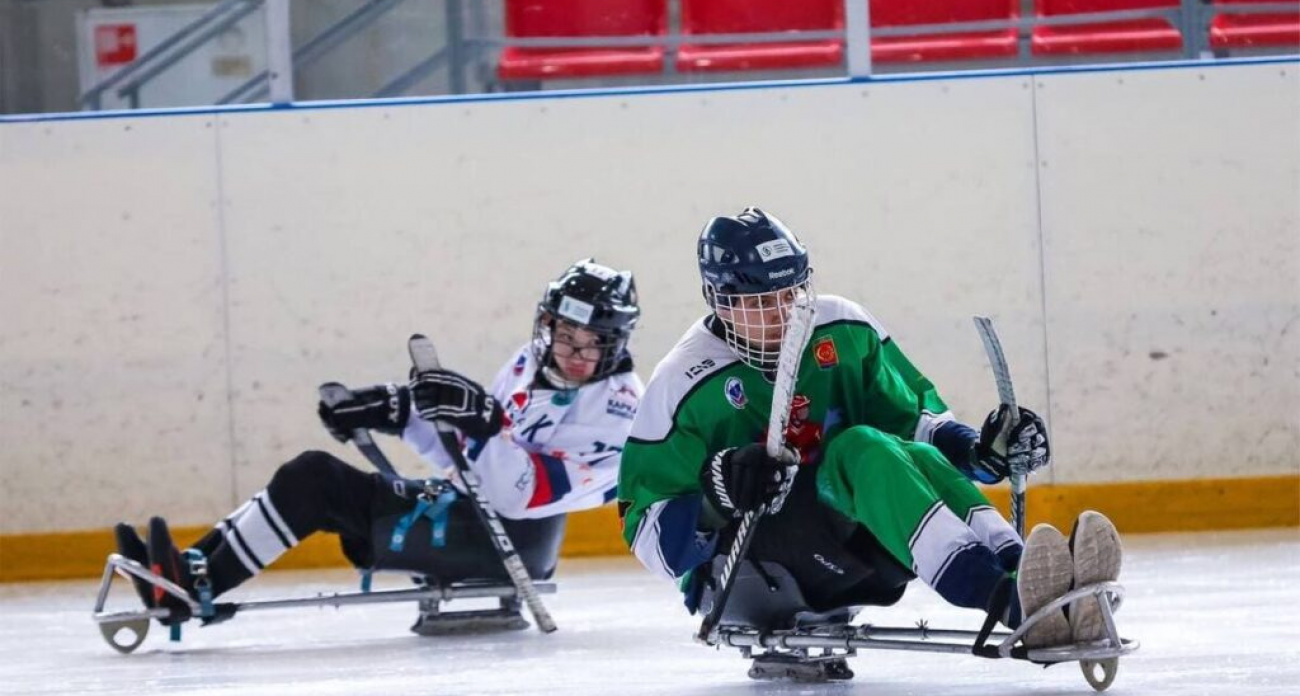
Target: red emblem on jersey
(804, 435)
(515, 408)
(825, 353)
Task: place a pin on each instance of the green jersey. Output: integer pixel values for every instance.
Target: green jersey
(703, 399)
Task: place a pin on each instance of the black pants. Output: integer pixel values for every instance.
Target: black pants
(834, 561)
(318, 492)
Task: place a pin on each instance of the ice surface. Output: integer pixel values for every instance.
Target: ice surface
(1217, 614)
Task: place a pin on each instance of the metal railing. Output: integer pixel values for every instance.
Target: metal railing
(1191, 18)
(128, 80)
(315, 48)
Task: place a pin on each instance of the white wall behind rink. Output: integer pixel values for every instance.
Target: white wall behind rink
(175, 287)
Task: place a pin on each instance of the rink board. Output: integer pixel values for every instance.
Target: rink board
(174, 287)
(1138, 507)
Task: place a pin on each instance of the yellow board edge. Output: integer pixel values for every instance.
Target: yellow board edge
(1135, 507)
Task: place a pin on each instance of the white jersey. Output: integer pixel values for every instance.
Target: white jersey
(559, 450)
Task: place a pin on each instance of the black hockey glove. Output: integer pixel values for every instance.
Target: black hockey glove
(443, 395)
(740, 479)
(1001, 446)
(383, 407)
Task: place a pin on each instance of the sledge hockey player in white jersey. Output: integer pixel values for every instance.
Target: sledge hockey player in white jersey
(545, 440)
(884, 487)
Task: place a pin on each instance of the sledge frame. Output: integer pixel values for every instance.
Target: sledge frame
(1100, 654)
(111, 624)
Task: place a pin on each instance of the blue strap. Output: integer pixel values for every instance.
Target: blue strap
(202, 584)
(436, 510)
(366, 575)
(198, 565)
(403, 526)
(438, 515)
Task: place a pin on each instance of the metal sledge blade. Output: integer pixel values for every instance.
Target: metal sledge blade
(793, 668)
(469, 623)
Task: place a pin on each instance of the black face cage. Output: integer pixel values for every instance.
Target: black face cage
(612, 344)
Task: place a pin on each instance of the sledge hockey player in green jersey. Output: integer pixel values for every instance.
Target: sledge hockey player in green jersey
(876, 486)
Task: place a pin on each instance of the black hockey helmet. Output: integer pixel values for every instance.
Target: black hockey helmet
(748, 254)
(752, 268)
(594, 297)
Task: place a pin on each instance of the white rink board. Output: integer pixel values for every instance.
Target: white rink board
(449, 220)
(112, 347)
(342, 230)
(1173, 309)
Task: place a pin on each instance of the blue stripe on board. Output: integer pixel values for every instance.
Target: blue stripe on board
(645, 91)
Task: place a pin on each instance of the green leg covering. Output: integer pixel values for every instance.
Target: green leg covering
(957, 491)
(915, 503)
(871, 477)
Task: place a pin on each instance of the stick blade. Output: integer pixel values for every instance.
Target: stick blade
(803, 317)
(997, 361)
(423, 355)
(333, 393)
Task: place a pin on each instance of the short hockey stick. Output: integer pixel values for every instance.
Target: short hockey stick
(1007, 396)
(793, 342)
(333, 394)
(425, 358)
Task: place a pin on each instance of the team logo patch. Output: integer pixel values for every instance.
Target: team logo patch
(518, 369)
(825, 354)
(622, 403)
(775, 249)
(622, 409)
(735, 391)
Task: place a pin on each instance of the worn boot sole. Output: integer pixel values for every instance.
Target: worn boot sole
(1095, 545)
(1046, 572)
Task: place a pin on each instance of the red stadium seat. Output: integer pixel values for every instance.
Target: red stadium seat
(1154, 34)
(760, 16)
(931, 47)
(576, 18)
(1229, 30)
